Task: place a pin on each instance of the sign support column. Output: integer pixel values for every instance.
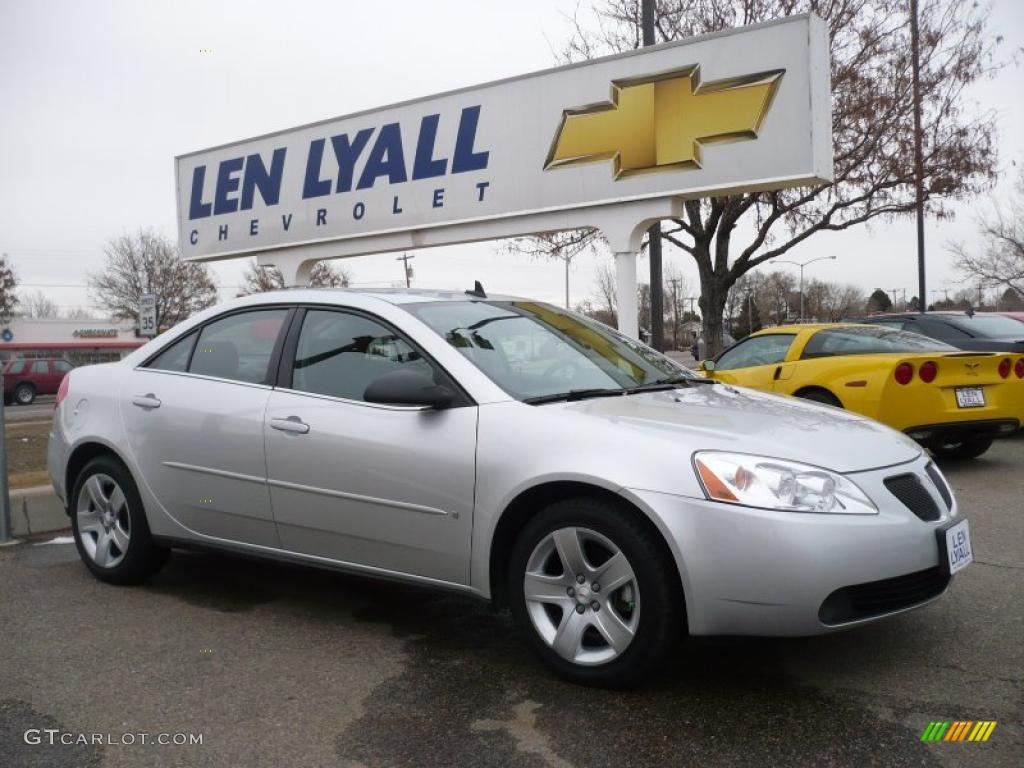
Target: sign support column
(625, 293)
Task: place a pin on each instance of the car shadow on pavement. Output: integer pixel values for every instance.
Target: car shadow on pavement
(471, 693)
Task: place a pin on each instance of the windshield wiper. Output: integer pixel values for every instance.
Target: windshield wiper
(671, 383)
(574, 394)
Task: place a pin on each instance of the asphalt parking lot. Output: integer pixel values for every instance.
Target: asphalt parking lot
(278, 665)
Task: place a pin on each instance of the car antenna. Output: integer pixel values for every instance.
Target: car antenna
(478, 290)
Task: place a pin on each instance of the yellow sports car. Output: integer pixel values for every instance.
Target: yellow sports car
(951, 401)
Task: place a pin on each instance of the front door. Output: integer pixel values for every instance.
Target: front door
(757, 361)
(194, 419)
(381, 486)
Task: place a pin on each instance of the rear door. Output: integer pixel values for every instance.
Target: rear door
(42, 377)
(384, 486)
(194, 419)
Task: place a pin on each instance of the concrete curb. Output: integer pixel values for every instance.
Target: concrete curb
(37, 510)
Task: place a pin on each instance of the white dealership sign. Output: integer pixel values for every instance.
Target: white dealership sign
(741, 110)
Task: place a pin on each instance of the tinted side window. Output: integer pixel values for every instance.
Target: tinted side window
(238, 346)
(940, 330)
(175, 356)
(758, 350)
(62, 366)
(40, 366)
(340, 354)
(18, 366)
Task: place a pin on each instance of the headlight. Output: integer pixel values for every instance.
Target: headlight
(759, 481)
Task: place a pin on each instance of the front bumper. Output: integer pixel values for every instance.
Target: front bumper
(750, 571)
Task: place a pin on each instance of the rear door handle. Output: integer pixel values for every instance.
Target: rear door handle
(292, 424)
(148, 400)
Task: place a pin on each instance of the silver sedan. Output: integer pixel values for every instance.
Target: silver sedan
(508, 449)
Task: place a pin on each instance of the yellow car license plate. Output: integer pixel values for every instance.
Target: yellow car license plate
(970, 397)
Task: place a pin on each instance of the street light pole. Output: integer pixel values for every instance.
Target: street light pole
(654, 233)
(915, 55)
(802, 265)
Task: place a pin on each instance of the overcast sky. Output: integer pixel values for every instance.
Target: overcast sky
(98, 98)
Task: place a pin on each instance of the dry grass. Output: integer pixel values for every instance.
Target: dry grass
(26, 454)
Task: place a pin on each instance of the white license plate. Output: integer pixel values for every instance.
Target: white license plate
(958, 547)
(970, 397)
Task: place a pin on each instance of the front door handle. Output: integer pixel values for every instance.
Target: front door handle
(292, 424)
(148, 400)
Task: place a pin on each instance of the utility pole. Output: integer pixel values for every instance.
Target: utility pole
(404, 258)
(566, 281)
(915, 55)
(654, 233)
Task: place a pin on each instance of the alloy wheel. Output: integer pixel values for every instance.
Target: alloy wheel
(581, 595)
(104, 525)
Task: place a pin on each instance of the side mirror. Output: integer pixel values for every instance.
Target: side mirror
(405, 387)
(708, 366)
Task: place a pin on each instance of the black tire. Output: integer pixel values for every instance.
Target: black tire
(663, 612)
(960, 448)
(822, 396)
(143, 558)
(24, 394)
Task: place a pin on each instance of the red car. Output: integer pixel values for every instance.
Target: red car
(24, 379)
(1014, 315)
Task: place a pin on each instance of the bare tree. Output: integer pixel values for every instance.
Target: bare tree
(38, 304)
(8, 282)
(831, 302)
(604, 289)
(998, 260)
(81, 313)
(147, 262)
(871, 124)
(263, 279)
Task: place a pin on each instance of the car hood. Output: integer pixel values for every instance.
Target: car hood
(724, 417)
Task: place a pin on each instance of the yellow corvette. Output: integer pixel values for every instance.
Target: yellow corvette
(951, 401)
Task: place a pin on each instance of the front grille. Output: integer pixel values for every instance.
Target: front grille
(940, 483)
(908, 489)
(862, 601)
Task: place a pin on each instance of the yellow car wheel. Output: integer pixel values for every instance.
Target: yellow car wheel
(818, 395)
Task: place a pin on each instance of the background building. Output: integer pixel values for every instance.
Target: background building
(79, 341)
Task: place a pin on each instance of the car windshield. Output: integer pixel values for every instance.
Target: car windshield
(534, 350)
(991, 326)
(868, 340)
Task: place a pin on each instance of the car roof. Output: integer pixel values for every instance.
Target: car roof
(390, 295)
(797, 327)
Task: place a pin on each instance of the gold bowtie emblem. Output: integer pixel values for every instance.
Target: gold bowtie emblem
(660, 122)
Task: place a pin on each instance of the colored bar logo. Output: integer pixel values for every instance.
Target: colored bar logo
(959, 730)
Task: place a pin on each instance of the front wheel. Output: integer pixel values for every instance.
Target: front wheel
(595, 592)
(25, 394)
(960, 447)
(110, 527)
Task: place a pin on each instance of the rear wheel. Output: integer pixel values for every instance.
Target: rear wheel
(594, 592)
(960, 447)
(822, 396)
(24, 394)
(110, 527)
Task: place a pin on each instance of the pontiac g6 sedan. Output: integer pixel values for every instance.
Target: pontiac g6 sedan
(509, 450)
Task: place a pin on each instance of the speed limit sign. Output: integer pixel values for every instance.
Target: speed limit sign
(147, 315)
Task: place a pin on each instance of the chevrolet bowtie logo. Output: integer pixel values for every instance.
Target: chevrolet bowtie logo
(661, 122)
